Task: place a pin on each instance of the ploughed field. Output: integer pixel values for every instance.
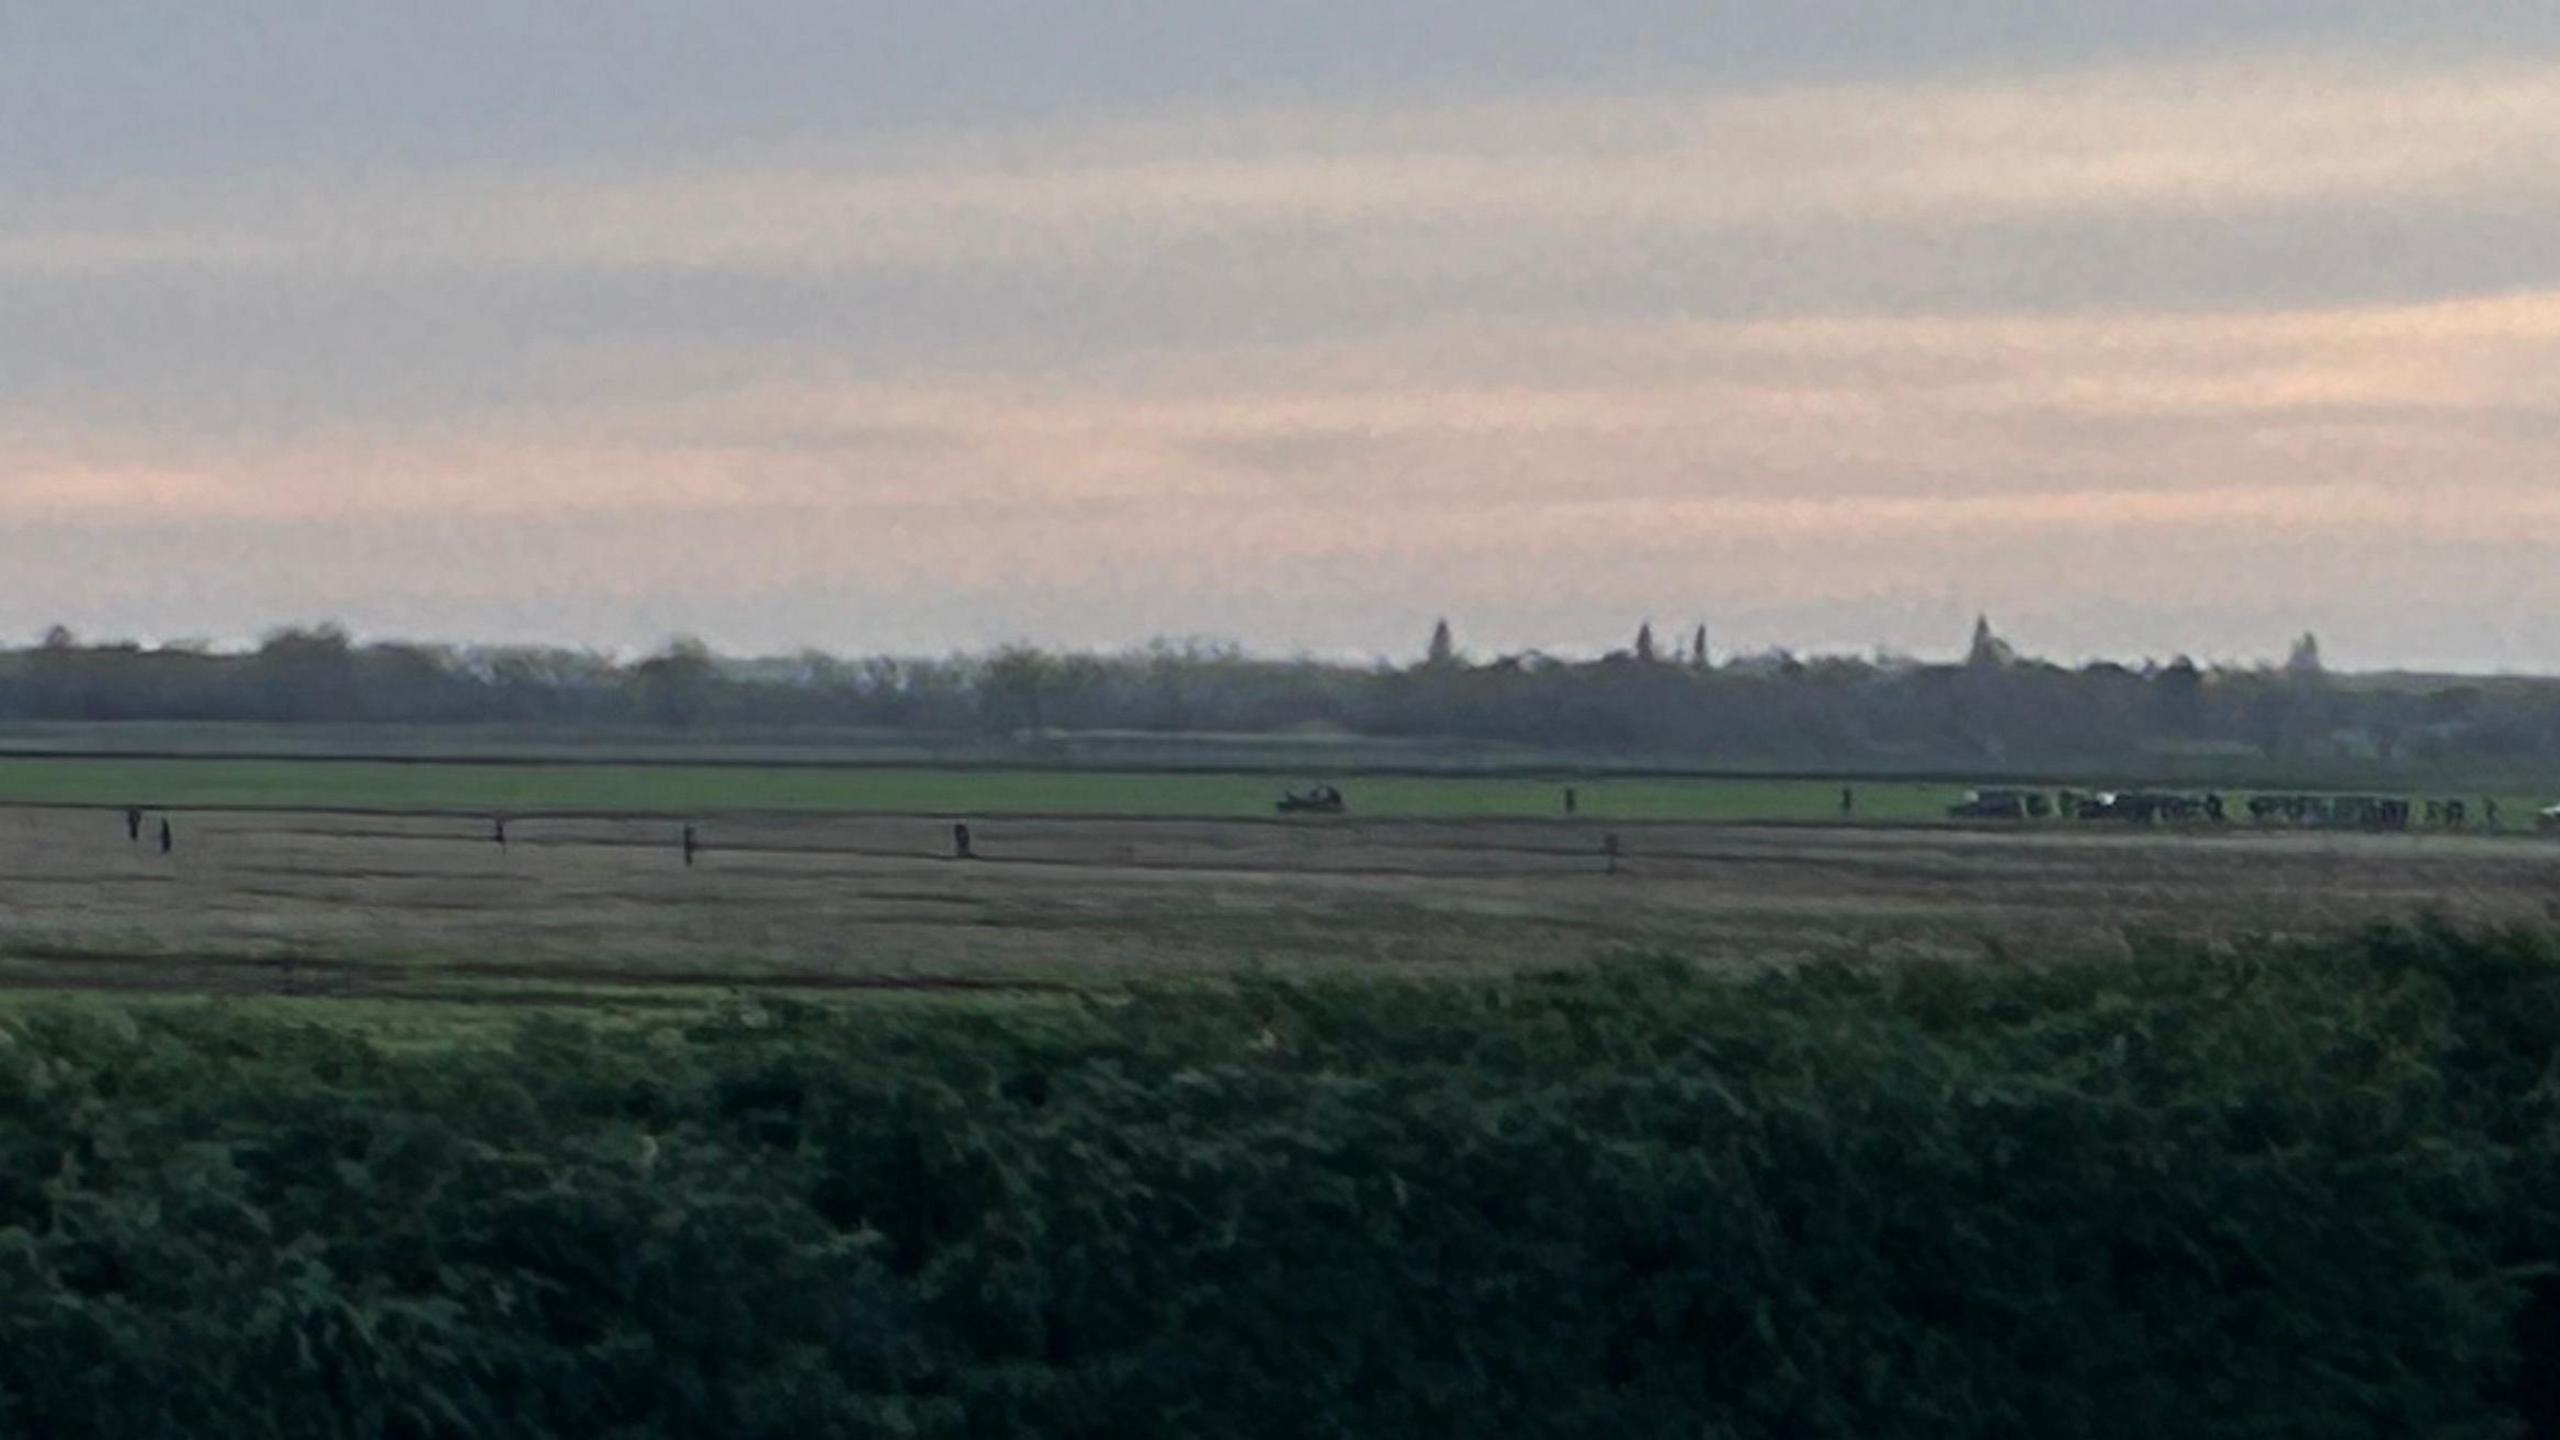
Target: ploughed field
(427, 905)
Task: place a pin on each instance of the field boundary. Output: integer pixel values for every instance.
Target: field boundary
(1595, 825)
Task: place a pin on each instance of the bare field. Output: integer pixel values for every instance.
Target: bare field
(291, 902)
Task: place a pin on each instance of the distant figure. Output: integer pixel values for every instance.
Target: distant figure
(1609, 847)
(689, 847)
(961, 848)
(1848, 801)
(498, 831)
(168, 841)
(133, 826)
(2489, 811)
(1572, 800)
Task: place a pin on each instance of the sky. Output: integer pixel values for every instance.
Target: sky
(2145, 326)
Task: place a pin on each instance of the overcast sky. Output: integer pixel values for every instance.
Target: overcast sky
(2145, 325)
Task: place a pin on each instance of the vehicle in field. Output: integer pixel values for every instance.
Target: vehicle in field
(1315, 800)
(2288, 810)
(2002, 805)
(2370, 812)
(2098, 806)
(2354, 812)
(2152, 807)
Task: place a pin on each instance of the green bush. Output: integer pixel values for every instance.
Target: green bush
(2298, 1191)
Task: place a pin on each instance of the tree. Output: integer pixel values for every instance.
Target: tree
(1017, 677)
(408, 682)
(301, 674)
(2304, 662)
(58, 675)
(1444, 647)
(2272, 718)
(1989, 651)
(676, 684)
(1644, 643)
(2177, 697)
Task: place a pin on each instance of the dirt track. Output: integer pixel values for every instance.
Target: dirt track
(388, 905)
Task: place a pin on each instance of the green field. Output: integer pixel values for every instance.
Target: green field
(681, 789)
(673, 789)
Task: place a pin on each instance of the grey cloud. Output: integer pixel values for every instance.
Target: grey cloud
(245, 355)
(125, 85)
(1299, 453)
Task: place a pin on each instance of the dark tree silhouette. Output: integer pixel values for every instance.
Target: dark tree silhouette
(2304, 662)
(1998, 708)
(677, 684)
(1989, 651)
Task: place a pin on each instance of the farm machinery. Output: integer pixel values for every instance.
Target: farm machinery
(1315, 800)
(2002, 805)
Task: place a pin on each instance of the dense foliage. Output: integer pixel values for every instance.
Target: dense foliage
(2303, 1192)
(1996, 709)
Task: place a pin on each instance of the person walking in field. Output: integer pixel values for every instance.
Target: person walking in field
(962, 848)
(690, 845)
(133, 826)
(1848, 801)
(168, 840)
(1572, 800)
(498, 831)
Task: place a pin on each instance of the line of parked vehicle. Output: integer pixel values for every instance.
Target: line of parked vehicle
(2212, 807)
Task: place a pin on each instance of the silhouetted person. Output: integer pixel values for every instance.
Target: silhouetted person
(168, 841)
(1848, 801)
(1609, 847)
(961, 847)
(498, 831)
(1572, 800)
(133, 826)
(690, 846)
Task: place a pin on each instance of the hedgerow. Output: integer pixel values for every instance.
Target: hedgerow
(2300, 1190)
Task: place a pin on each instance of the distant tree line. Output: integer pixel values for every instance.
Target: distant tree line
(1994, 708)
